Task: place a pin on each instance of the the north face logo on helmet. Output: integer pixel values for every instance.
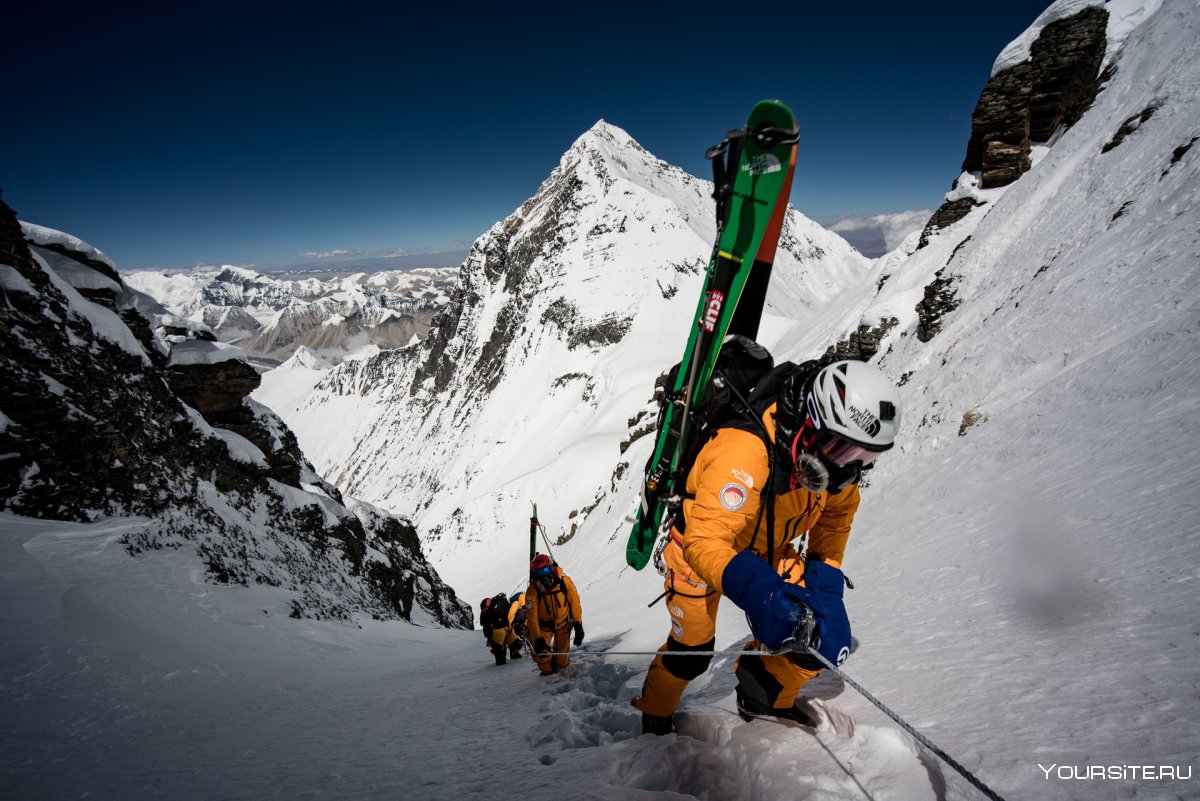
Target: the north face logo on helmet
(865, 420)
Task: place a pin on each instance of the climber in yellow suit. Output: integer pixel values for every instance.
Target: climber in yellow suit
(826, 426)
(552, 612)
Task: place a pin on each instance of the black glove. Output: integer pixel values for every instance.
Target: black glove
(540, 647)
(578, 634)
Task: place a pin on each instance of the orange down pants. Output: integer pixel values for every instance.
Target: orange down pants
(560, 643)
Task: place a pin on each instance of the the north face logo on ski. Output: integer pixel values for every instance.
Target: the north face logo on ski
(865, 420)
(763, 164)
(712, 310)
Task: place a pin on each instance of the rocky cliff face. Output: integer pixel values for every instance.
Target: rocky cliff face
(1026, 103)
(1058, 104)
(114, 407)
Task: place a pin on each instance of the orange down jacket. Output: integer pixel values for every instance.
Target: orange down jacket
(725, 482)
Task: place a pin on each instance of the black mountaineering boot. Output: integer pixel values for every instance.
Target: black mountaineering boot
(654, 724)
(749, 709)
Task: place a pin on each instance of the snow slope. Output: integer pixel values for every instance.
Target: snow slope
(130, 680)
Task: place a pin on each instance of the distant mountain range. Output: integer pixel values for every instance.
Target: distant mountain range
(271, 317)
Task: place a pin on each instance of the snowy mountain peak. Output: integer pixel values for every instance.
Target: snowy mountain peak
(605, 154)
(604, 135)
(233, 274)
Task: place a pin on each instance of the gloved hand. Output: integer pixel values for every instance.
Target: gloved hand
(771, 604)
(825, 586)
(540, 647)
(774, 607)
(578, 634)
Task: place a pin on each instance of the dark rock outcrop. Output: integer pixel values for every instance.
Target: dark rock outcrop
(863, 343)
(1028, 102)
(1131, 124)
(940, 299)
(214, 389)
(950, 212)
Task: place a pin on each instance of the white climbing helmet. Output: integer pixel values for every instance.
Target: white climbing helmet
(857, 403)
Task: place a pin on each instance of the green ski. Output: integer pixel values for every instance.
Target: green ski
(752, 176)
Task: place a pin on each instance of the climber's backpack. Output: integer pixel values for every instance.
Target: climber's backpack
(741, 365)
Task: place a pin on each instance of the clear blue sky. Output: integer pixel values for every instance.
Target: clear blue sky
(177, 134)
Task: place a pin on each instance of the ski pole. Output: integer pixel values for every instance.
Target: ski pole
(922, 739)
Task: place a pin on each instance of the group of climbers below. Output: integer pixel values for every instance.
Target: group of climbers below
(545, 615)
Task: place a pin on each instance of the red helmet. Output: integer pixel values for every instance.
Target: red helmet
(539, 561)
(485, 603)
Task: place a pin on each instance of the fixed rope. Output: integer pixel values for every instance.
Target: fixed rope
(922, 739)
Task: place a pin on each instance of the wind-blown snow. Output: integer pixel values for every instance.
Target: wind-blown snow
(161, 684)
(1123, 17)
(104, 322)
(45, 237)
